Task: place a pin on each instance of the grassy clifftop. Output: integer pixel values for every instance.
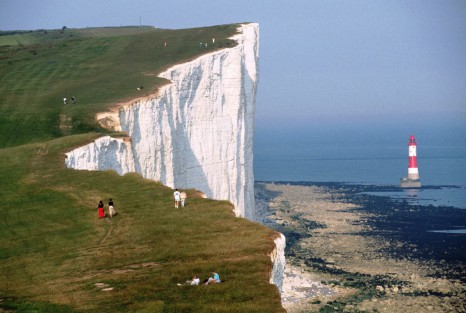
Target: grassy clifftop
(55, 254)
(97, 66)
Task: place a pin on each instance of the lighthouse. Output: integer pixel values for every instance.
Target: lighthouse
(412, 181)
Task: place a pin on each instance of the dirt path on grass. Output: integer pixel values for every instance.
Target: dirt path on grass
(108, 231)
(331, 243)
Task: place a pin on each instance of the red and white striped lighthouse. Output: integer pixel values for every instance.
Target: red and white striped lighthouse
(413, 172)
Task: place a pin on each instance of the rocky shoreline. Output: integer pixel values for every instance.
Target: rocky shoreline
(348, 252)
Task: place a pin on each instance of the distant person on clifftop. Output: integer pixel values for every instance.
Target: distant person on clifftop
(73, 99)
(183, 197)
(111, 208)
(177, 197)
(65, 101)
(101, 209)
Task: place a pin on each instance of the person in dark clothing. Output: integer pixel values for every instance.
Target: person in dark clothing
(101, 209)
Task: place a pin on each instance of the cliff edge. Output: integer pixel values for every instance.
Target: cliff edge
(197, 132)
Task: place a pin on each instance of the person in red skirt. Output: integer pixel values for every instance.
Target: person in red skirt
(101, 209)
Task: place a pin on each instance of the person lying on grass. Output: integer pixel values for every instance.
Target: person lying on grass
(195, 280)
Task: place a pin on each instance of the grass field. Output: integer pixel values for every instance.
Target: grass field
(98, 70)
(55, 254)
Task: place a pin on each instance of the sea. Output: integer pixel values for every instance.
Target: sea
(366, 168)
(342, 159)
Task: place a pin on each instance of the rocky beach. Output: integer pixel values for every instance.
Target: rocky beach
(348, 251)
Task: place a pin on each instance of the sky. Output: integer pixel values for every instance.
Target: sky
(326, 66)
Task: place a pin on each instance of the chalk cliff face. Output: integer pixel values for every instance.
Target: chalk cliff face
(105, 153)
(279, 262)
(196, 133)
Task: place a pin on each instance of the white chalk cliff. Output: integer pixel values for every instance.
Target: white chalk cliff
(197, 132)
(279, 262)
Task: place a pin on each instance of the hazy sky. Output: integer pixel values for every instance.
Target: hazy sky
(323, 63)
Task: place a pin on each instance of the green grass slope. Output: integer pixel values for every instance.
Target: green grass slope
(98, 70)
(55, 254)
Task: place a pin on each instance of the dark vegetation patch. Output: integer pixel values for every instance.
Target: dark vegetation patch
(9, 304)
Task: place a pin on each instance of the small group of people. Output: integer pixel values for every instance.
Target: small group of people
(65, 100)
(205, 44)
(101, 210)
(180, 198)
(211, 280)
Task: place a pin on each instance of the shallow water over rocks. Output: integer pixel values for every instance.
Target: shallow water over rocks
(352, 252)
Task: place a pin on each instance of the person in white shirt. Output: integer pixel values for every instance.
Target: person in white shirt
(177, 196)
(195, 281)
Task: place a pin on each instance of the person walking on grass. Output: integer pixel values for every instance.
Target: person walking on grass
(111, 208)
(100, 207)
(183, 197)
(177, 197)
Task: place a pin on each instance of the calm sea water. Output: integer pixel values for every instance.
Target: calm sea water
(377, 164)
